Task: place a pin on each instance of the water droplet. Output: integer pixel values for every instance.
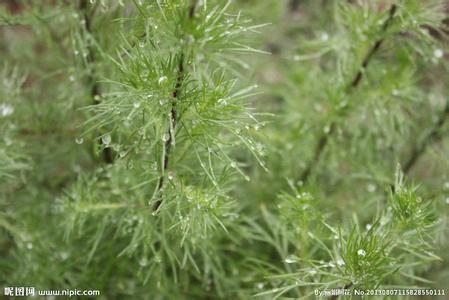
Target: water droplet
(79, 140)
(6, 110)
(361, 252)
(446, 186)
(290, 259)
(97, 97)
(136, 104)
(260, 285)
(233, 165)
(143, 262)
(371, 188)
(106, 139)
(165, 137)
(340, 262)
(368, 226)
(222, 102)
(438, 53)
(324, 37)
(29, 246)
(162, 79)
(64, 255)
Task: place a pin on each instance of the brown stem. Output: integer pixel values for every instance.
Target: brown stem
(432, 136)
(373, 50)
(192, 9)
(293, 5)
(324, 139)
(173, 116)
(95, 90)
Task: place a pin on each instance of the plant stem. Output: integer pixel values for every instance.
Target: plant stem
(433, 135)
(95, 90)
(324, 139)
(173, 116)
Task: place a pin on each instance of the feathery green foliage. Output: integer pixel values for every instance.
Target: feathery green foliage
(205, 149)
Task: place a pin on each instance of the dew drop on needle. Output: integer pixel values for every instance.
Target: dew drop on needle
(290, 259)
(162, 79)
(106, 139)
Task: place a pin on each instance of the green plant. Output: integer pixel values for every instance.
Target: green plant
(136, 142)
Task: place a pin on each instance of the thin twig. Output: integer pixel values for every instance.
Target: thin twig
(432, 136)
(173, 117)
(324, 139)
(95, 90)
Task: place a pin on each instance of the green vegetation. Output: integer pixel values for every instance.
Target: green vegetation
(204, 149)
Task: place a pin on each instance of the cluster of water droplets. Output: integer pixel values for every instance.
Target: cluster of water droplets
(131, 222)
